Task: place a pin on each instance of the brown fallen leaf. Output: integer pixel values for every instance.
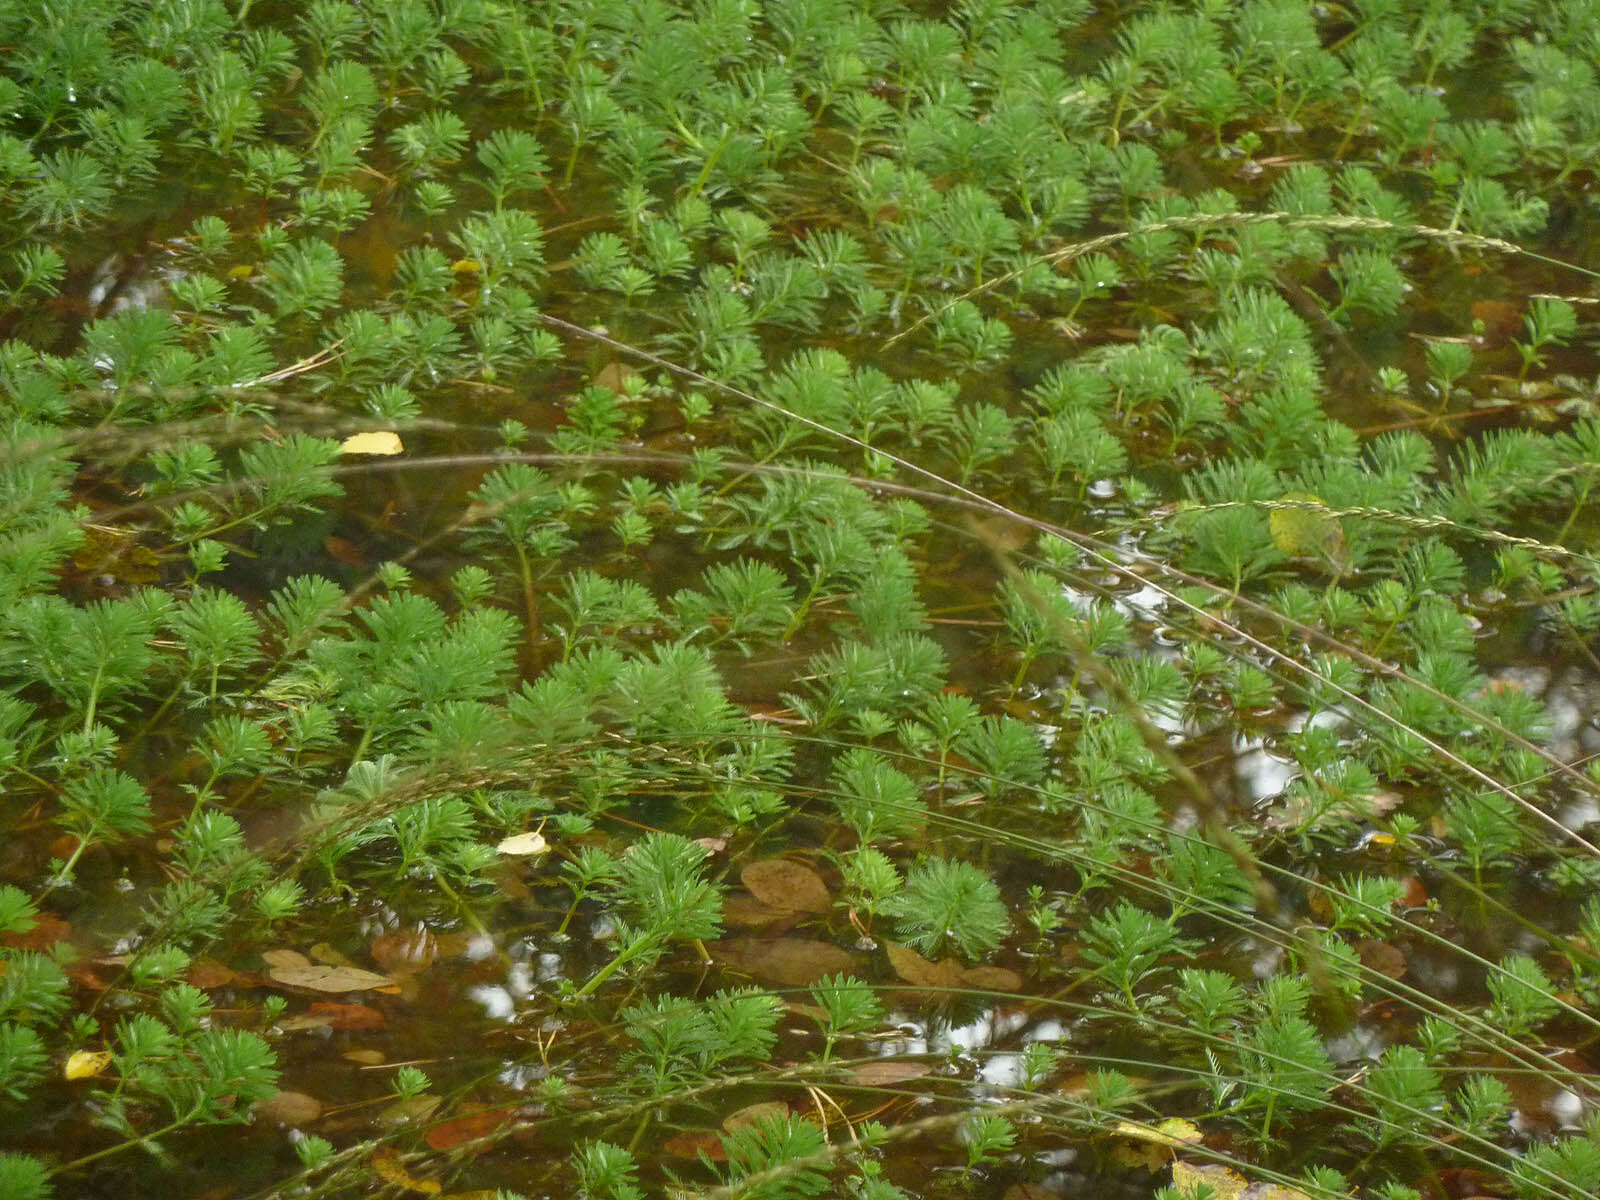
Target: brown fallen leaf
(470, 1127)
(330, 956)
(746, 912)
(920, 972)
(365, 1058)
(288, 1108)
(948, 974)
(343, 549)
(614, 376)
(41, 931)
(302, 1021)
(1382, 957)
(1303, 810)
(206, 973)
(86, 977)
(1465, 1183)
(348, 1018)
(786, 884)
(329, 979)
(750, 1114)
(692, 1143)
(991, 979)
(791, 962)
(405, 951)
(461, 941)
(888, 1070)
(1501, 321)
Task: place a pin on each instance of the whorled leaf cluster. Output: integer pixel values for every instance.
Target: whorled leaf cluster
(1049, 424)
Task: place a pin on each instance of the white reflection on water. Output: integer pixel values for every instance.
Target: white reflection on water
(496, 1001)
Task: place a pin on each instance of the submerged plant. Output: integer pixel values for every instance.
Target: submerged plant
(1091, 502)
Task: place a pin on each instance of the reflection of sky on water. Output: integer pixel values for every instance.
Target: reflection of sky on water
(997, 1069)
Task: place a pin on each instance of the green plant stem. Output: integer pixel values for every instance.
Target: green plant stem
(109, 1151)
(636, 949)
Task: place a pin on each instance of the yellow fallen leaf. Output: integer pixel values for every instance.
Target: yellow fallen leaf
(86, 1063)
(1273, 1191)
(1307, 529)
(382, 441)
(1225, 1182)
(466, 266)
(1174, 1132)
(386, 1162)
(524, 844)
(242, 271)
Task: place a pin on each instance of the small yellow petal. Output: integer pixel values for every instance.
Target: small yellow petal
(380, 442)
(86, 1063)
(523, 844)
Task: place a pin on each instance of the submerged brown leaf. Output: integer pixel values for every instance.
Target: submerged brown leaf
(787, 885)
(692, 1143)
(349, 1018)
(469, 1127)
(922, 972)
(991, 979)
(405, 951)
(752, 1113)
(948, 974)
(288, 1108)
(1382, 957)
(38, 932)
(206, 973)
(329, 979)
(746, 912)
(887, 1071)
(789, 962)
